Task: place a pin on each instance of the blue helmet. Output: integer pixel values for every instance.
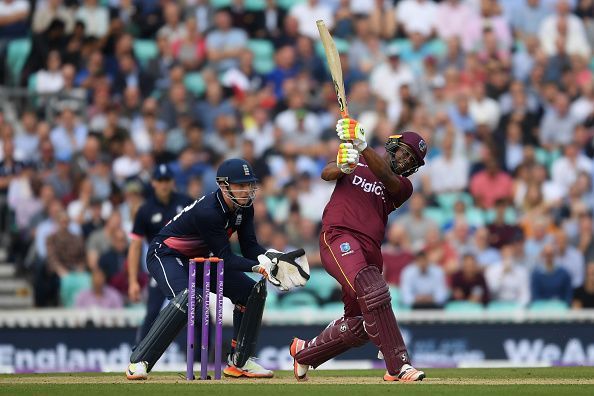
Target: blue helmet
(237, 171)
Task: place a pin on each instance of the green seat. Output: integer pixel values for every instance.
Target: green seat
(220, 3)
(194, 83)
(263, 51)
(463, 307)
(255, 5)
(447, 200)
(321, 284)
(342, 46)
(510, 216)
(286, 4)
(32, 83)
(438, 215)
(300, 299)
(395, 295)
(271, 300)
(145, 50)
(336, 308)
(17, 54)
(475, 217)
(504, 306)
(71, 284)
(549, 306)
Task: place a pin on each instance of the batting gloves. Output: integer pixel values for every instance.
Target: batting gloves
(350, 129)
(347, 158)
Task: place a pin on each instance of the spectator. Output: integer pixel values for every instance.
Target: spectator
(565, 31)
(451, 18)
(507, 279)
(501, 230)
(527, 17)
(396, 253)
(51, 80)
(113, 260)
(550, 282)
(414, 221)
(224, 43)
(65, 250)
(307, 13)
(95, 18)
(468, 284)
(69, 135)
(173, 30)
(485, 254)
(423, 284)
(417, 16)
(100, 295)
(570, 259)
(285, 69)
(387, 77)
(448, 172)
(13, 19)
(48, 11)
(583, 296)
(565, 169)
(491, 184)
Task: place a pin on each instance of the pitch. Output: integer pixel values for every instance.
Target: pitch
(574, 381)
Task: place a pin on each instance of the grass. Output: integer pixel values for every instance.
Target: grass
(574, 381)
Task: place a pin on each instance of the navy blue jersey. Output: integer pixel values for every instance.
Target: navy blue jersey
(153, 215)
(204, 227)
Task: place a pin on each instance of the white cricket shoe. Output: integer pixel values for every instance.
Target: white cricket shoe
(137, 371)
(407, 374)
(250, 369)
(300, 370)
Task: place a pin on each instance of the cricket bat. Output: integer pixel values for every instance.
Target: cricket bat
(334, 66)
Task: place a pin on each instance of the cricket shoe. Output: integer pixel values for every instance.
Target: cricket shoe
(407, 374)
(250, 369)
(137, 371)
(300, 370)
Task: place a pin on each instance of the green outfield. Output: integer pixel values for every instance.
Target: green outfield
(572, 381)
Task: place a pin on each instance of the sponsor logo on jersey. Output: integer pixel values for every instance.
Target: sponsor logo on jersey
(238, 219)
(376, 187)
(157, 217)
(345, 248)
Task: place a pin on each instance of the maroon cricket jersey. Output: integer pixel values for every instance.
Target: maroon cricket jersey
(360, 202)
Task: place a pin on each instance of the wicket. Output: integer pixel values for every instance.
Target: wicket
(218, 348)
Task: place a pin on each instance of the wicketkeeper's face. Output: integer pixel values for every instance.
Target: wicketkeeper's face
(243, 192)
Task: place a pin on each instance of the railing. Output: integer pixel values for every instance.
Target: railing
(72, 318)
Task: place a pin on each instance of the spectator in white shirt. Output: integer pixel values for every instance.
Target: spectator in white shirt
(174, 30)
(307, 13)
(507, 280)
(448, 172)
(417, 16)
(423, 284)
(387, 78)
(565, 169)
(50, 80)
(566, 28)
(95, 17)
(483, 110)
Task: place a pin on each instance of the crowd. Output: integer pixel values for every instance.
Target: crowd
(502, 91)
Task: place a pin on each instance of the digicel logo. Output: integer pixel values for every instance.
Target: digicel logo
(376, 187)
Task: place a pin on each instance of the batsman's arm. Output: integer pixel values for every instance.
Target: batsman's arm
(331, 172)
(382, 170)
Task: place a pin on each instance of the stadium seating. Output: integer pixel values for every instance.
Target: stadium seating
(71, 284)
(548, 306)
(321, 284)
(194, 83)
(255, 5)
(438, 215)
(286, 4)
(263, 51)
(504, 306)
(298, 298)
(447, 200)
(220, 3)
(145, 50)
(17, 53)
(463, 307)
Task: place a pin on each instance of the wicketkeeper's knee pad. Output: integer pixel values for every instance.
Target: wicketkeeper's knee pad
(374, 299)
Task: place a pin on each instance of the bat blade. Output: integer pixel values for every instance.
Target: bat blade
(333, 60)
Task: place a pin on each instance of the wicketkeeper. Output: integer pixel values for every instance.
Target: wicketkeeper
(353, 226)
(199, 230)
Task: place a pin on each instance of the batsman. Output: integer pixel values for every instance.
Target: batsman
(368, 187)
(201, 229)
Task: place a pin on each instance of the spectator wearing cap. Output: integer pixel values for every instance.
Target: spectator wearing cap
(507, 279)
(468, 283)
(549, 282)
(423, 284)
